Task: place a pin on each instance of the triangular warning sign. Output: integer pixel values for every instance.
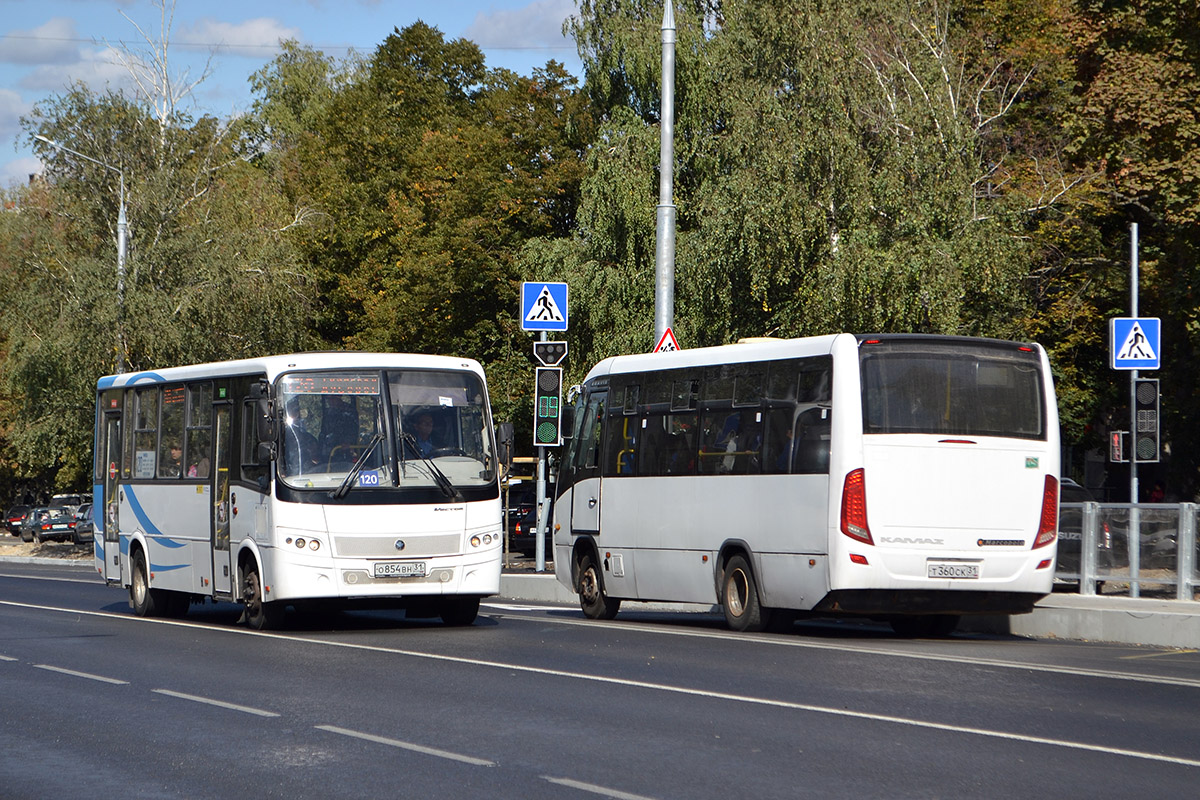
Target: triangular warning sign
(667, 343)
(544, 309)
(1136, 346)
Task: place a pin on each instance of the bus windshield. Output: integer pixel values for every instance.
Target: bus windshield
(436, 422)
(948, 389)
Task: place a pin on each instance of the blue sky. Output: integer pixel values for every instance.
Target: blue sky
(47, 45)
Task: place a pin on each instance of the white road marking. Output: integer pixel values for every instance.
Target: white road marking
(844, 647)
(416, 748)
(726, 696)
(7, 658)
(87, 675)
(594, 789)
(219, 703)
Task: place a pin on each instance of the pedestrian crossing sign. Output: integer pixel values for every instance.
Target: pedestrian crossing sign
(1135, 342)
(543, 306)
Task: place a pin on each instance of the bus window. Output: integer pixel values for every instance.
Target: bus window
(146, 437)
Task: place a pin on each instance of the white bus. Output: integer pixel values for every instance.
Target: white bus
(306, 480)
(905, 478)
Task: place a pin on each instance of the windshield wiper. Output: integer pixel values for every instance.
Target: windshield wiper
(352, 475)
(439, 477)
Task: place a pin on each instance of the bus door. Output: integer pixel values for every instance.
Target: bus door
(585, 467)
(221, 473)
(107, 511)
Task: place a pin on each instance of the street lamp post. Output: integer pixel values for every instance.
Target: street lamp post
(122, 234)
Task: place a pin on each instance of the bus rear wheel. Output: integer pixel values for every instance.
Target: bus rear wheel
(739, 598)
(260, 614)
(593, 601)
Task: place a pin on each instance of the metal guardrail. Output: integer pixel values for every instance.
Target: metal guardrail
(1148, 547)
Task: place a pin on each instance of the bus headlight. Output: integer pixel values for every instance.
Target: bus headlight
(314, 545)
(475, 542)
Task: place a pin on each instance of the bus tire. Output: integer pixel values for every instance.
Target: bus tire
(146, 602)
(459, 611)
(739, 598)
(260, 614)
(593, 601)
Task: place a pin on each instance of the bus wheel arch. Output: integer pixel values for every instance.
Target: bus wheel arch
(144, 601)
(260, 613)
(738, 592)
(587, 576)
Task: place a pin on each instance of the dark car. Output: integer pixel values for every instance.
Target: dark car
(1070, 529)
(51, 523)
(523, 538)
(522, 497)
(84, 524)
(15, 518)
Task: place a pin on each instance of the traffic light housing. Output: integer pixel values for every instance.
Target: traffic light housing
(1145, 414)
(547, 407)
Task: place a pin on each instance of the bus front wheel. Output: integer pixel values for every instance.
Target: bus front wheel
(739, 598)
(593, 601)
(144, 600)
(260, 613)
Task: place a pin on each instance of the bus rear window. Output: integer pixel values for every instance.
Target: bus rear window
(950, 389)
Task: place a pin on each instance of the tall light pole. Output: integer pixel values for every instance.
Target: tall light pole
(122, 235)
(664, 254)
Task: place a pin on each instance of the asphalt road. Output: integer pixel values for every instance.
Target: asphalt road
(536, 702)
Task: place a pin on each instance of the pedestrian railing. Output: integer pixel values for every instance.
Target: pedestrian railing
(1138, 549)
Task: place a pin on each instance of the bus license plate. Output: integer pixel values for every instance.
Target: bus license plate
(952, 570)
(400, 569)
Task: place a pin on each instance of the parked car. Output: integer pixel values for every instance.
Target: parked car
(71, 501)
(1070, 530)
(15, 518)
(523, 538)
(521, 498)
(49, 523)
(85, 524)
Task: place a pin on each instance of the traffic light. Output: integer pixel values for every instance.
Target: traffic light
(1145, 412)
(550, 354)
(547, 406)
(1117, 447)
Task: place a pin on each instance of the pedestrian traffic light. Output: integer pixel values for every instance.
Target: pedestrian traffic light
(547, 406)
(1117, 448)
(1145, 412)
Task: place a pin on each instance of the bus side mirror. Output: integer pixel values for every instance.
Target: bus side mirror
(566, 425)
(264, 413)
(504, 443)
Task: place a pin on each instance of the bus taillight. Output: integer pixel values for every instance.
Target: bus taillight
(854, 507)
(1048, 527)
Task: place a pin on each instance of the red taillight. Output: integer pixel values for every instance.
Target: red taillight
(1048, 527)
(854, 507)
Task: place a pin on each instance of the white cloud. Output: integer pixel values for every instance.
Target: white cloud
(17, 171)
(96, 68)
(254, 38)
(52, 43)
(538, 24)
(11, 109)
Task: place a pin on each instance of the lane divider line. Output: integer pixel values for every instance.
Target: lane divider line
(219, 703)
(416, 748)
(77, 674)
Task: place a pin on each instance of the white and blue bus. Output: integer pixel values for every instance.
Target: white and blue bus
(300, 480)
(908, 478)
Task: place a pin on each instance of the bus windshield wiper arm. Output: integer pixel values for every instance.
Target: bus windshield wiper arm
(348, 481)
(439, 477)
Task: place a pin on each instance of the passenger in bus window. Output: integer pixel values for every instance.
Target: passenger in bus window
(174, 466)
(199, 466)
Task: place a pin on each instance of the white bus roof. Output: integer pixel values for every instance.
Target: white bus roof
(273, 366)
(754, 350)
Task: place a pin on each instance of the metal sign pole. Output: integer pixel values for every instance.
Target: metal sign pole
(540, 544)
(1135, 528)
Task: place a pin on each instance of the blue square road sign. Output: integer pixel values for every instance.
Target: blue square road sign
(1135, 343)
(543, 306)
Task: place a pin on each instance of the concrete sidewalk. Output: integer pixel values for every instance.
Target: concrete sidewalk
(1162, 623)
